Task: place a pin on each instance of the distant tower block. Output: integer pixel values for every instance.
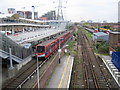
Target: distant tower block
(11, 11)
(119, 11)
(33, 12)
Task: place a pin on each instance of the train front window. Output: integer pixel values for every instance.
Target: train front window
(40, 49)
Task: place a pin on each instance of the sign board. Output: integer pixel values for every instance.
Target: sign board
(59, 50)
(110, 52)
(65, 50)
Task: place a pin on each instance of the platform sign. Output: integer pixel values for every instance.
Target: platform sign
(59, 50)
(65, 50)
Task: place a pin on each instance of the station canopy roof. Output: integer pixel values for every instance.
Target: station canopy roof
(11, 16)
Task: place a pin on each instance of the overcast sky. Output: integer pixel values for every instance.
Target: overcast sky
(76, 10)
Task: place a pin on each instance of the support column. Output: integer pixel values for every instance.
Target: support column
(13, 32)
(6, 31)
(33, 28)
(11, 64)
(23, 30)
(11, 70)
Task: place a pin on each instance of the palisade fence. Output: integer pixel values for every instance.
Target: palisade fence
(16, 49)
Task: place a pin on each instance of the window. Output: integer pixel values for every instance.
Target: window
(40, 49)
(48, 48)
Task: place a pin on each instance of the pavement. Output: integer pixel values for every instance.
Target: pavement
(62, 73)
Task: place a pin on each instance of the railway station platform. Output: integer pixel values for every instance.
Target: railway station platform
(62, 73)
(110, 66)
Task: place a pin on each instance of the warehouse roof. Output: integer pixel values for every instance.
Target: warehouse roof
(115, 32)
(100, 34)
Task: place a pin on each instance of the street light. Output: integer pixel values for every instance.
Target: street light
(59, 51)
(38, 73)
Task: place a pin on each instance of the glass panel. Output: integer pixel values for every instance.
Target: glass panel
(40, 49)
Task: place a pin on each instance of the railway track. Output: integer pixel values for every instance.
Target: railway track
(94, 73)
(89, 72)
(28, 72)
(21, 77)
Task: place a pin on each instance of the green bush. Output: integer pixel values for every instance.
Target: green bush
(102, 48)
(70, 47)
(117, 49)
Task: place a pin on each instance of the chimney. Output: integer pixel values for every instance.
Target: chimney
(33, 10)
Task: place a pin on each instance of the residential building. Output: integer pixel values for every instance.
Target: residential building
(28, 14)
(11, 11)
(49, 15)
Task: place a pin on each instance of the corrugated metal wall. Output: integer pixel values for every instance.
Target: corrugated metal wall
(17, 50)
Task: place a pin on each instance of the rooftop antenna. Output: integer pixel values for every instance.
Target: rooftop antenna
(60, 11)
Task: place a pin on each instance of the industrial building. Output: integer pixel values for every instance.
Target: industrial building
(100, 36)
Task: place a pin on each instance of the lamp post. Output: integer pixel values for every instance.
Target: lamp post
(59, 51)
(38, 73)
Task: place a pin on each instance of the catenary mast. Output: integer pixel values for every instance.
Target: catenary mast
(60, 10)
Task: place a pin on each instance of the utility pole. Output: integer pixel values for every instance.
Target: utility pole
(38, 73)
(59, 51)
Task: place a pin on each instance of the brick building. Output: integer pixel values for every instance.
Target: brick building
(114, 40)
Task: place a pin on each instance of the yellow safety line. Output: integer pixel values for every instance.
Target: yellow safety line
(45, 70)
(63, 73)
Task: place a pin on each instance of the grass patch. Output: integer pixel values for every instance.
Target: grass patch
(88, 34)
(71, 47)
